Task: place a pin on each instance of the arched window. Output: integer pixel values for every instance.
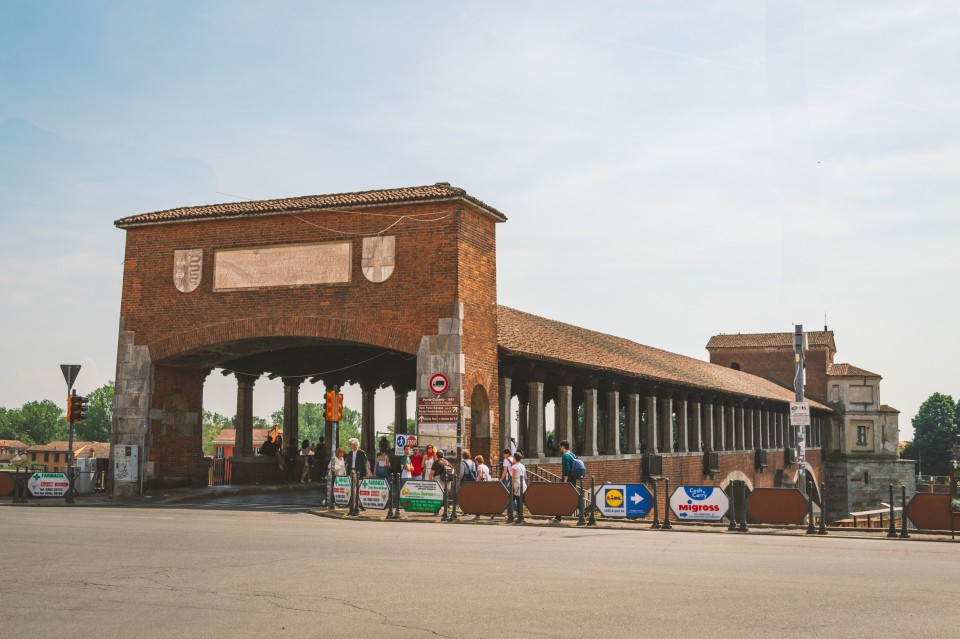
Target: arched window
(735, 366)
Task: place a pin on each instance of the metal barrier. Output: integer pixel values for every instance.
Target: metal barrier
(220, 472)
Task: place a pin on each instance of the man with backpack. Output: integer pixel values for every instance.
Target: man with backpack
(571, 468)
(468, 469)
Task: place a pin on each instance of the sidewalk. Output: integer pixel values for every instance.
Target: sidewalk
(164, 497)
(642, 525)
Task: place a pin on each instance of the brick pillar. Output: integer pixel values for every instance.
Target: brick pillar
(291, 411)
(565, 416)
(505, 417)
(695, 426)
(244, 425)
(633, 423)
(590, 421)
(535, 420)
(653, 425)
(368, 432)
(613, 422)
(683, 426)
(666, 418)
(400, 411)
(709, 443)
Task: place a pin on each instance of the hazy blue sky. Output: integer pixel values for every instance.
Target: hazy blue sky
(670, 170)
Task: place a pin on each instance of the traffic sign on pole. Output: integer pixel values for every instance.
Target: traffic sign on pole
(403, 440)
(439, 384)
(70, 372)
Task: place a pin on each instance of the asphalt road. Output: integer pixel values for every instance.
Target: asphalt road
(208, 571)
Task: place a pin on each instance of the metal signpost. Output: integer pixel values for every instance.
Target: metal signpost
(421, 497)
(802, 411)
(70, 372)
(399, 441)
(374, 493)
(633, 501)
(702, 503)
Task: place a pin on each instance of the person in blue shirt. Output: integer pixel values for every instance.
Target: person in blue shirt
(566, 466)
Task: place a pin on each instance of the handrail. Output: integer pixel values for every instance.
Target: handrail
(543, 474)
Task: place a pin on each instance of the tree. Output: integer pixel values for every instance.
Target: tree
(213, 423)
(96, 427)
(934, 434)
(38, 423)
(311, 421)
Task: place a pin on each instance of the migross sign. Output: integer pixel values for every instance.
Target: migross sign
(704, 503)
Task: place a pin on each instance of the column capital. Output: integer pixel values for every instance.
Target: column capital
(246, 378)
(293, 382)
(611, 385)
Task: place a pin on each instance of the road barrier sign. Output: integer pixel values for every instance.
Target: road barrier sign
(421, 496)
(374, 493)
(341, 491)
(48, 484)
(403, 440)
(704, 503)
(777, 506)
(624, 500)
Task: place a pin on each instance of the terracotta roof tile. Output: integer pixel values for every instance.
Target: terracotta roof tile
(12, 443)
(888, 409)
(57, 447)
(437, 192)
(762, 340)
(527, 335)
(229, 435)
(849, 370)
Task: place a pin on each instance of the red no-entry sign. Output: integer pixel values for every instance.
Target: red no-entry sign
(439, 383)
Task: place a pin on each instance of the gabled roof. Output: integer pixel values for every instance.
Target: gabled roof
(229, 435)
(58, 447)
(527, 335)
(770, 340)
(441, 191)
(888, 409)
(12, 443)
(848, 370)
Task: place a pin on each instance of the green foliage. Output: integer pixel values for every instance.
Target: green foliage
(213, 423)
(36, 423)
(349, 426)
(96, 427)
(935, 434)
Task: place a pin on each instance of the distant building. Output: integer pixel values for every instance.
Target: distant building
(862, 444)
(54, 454)
(226, 440)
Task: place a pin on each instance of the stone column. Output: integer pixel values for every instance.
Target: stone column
(748, 428)
(523, 408)
(291, 411)
(368, 431)
(565, 416)
(757, 428)
(720, 439)
(741, 433)
(695, 426)
(666, 407)
(613, 421)
(781, 431)
(244, 424)
(505, 417)
(633, 423)
(535, 420)
(767, 429)
(653, 425)
(729, 420)
(708, 429)
(683, 426)
(400, 411)
(590, 421)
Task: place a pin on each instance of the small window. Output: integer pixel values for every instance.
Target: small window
(735, 366)
(866, 477)
(46, 457)
(861, 435)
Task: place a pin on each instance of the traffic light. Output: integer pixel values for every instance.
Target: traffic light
(339, 407)
(329, 415)
(78, 408)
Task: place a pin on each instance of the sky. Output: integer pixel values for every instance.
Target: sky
(670, 170)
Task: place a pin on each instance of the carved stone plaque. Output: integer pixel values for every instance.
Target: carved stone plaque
(187, 269)
(379, 257)
(289, 265)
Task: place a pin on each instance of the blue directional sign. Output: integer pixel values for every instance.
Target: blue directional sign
(639, 500)
(624, 500)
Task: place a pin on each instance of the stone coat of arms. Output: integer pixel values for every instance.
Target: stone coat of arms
(379, 257)
(187, 269)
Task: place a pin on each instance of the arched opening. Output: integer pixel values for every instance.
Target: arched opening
(735, 366)
(480, 419)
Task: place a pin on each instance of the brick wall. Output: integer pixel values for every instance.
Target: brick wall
(776, 364)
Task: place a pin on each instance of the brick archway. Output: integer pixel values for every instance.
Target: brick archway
(353, 331)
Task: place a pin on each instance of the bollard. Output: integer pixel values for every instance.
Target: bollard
(892, 528)
(593, 506)
(581, 520)
(666, 505)
(510, 501)
(810, 529)
(396, 483)
(456, 491)
(656, 505)
(903, 513)
(732, 515)
(390, 495)
(446, 512)
(743, 507)
(823, 509)
(523, 484)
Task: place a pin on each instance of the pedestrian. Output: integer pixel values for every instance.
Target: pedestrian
(513, 445)
(320, 457)
(483, 471)
(505, 467)
(442, 471)
(416, 460)
(468, 469)
(571, 468)
(356, 459)
(338, 467)
(306, 457)
(406, 466)
(383, 461)
(428, 461)
(519, 474)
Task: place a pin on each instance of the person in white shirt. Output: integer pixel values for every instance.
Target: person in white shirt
(519, 473)
(505, 467)
(483, 471)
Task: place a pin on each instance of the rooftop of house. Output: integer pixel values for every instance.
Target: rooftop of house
(815, 339)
